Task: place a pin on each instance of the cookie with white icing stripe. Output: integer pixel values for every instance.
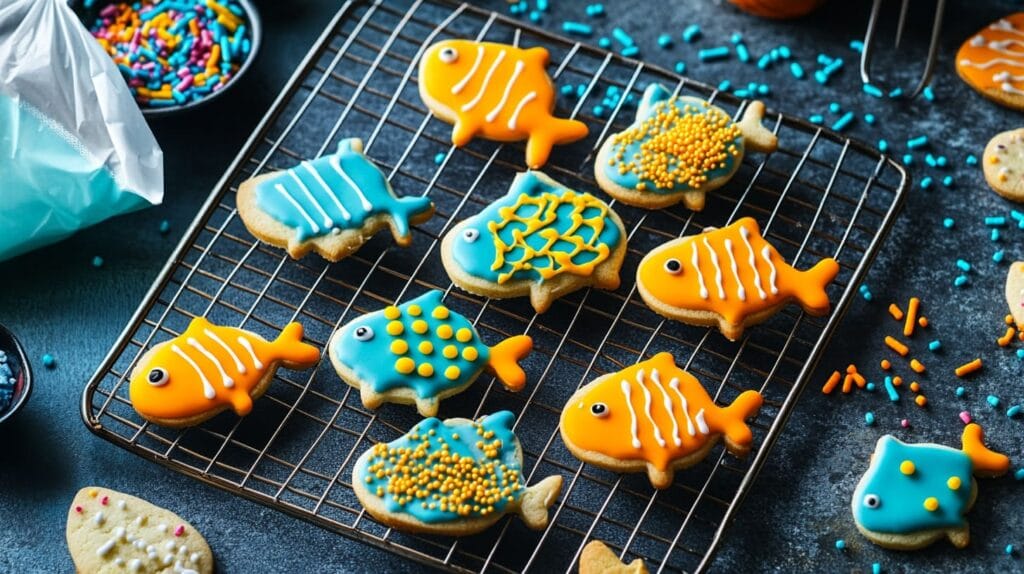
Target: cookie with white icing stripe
(1003, 164)
(109, 532)
(992, 61)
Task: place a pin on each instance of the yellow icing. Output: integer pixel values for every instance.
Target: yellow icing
(392, 312)
(395, 328)
(425, 369)
(399, 347)
(405, 365)
(470, 353)
(419, 326)
(426, 347)
(450, 351)
(464, 335)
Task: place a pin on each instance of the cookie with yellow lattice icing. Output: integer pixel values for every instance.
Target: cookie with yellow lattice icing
(677, 150)
(541, 239)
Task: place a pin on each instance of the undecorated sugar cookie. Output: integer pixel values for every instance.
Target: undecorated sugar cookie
(653, 417)
(109, 532)
(597, 558)
(405, 483)
(1015, 292)
(915, 494)
(1003, 164)
(992, 61)
(731, 278)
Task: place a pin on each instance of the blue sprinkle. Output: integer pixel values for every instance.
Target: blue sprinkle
(843, 122)
(577, 28)
(764, 62)
(1014, 411)
(834, 107)
(97, 262)
(929, 94)
(870, 386)
(935, 345)
(963, 265)
(891, 389)
(784, 52)
(742, 93)
(742, 53)
(665, 41)
(867, 295)
(863, 288)
(1020, 353)
(680, 67)
(691, 33)
(993, 401)
(895, 93)
(796, 70)
(971, 160)
(165, 226)
(948, 223)
(833, 67)
(960, 281)
(598, 111)
(595, 10)
(1016, 215)
(947, 181)
(995, 221)
(48, 361)
(774, 54)
(872, 91)
(926, 182)
(542, 5)
(580, 90)
(908, 159)
(439, 157)
(630, 51)
(840, 544)
(535, 16)
(917, 142)
(930, 160)
(604, 42)
(1019, 475)
(941, 161)
(816, 119)
(1008, 550)
(995, 235)
(764, 89)
(960, 392)
(736, 38)
(869, 420)
(824, 60)
(869, 118)
(998, 256)
(876, 568)
(820, 77)
(857, 46)
(711, 54)
(567, 89)
(623, 38)
(883, 146)
(725, 85)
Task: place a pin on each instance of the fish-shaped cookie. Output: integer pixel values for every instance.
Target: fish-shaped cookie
(992, 61)
(496, 91)
(331, 205)
(208, 369)
(915, 494)
(679, 148)
(406, 483)
(110, 532)
(542, 239)
(419, 353)
(597, 558)
(653, 417)
(730, 277)
(1015, 292)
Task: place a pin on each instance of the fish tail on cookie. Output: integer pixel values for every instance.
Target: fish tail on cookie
(540, 298)
(504, 361)
(556, 131)
(744, 407)
(755, 135)
(660, 478)
(290, 348)
(538, 499)
(407, 211)
(959, 537)
(986, 462)
(815, 301)
(597, 558)
(241, 403)
(427, 407)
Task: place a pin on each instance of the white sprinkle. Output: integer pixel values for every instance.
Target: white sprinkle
(105, 548)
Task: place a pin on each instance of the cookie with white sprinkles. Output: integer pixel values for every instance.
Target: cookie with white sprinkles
(1003, 164)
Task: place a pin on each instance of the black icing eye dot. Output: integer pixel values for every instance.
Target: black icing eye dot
(158, 377)
(872, 501)
(673, 266)
(471, 235)
(448, 55)
(599, 410)
(363, 333)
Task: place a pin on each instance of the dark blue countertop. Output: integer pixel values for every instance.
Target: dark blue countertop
(58, 303)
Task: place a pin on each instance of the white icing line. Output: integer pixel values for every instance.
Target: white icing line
(228, 383)
(208, 391)
(667, 402)
(458, 87)
(514, 120)
(256, 363)
(239, 365)
(674, 385)
(1005, 25)
(330, 192)
(701, 423)
(718, 270)
(993, 62)
(1008, 88)
(695, 261)
(487, 80)
(740, 291)
(767, 255)
(280, 189)
(753, 262)
(491, 115)
(327, 218)
(335, 162)
(647, 408)
(632, 413)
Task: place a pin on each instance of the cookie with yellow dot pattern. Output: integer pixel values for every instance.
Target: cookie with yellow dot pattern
(455, 478)
(419, 353)
(1003, 164)
(678, 149)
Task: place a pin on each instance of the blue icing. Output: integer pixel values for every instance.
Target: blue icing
(887, 500)
(655, 100)
(336, 192)
(366, 347)
(562, 220)
(487, 446)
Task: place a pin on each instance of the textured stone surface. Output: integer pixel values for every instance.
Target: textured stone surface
(58, 303)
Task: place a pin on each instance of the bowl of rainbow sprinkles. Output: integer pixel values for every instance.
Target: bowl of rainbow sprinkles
(175, 54)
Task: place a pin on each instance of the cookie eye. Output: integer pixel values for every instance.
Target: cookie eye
(872, 501)
(363, 333)
(158, 377)
(673, 266)
(599, 410)
(470, 235)
(448, 55)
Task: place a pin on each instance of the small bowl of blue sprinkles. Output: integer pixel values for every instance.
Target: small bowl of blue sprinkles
(15, 375)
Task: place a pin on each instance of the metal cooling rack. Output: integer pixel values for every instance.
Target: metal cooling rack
(819, 195)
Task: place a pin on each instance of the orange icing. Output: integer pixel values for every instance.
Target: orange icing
(208, 367)
(669, 437)
(763, 284)
(496, 91)
(504, 361)
(994, 57)
(986, 462)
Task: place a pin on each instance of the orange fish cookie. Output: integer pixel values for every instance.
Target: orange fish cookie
(992, 61)
(209, 369)
(496, 91)
(653, 416)
(729, 277)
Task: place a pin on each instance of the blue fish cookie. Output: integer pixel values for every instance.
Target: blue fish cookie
(419, 353)
(678, 149)
(915, 494)
(331, 205)
(542, 239)
(408, 483)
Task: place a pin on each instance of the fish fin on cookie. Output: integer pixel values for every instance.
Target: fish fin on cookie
(536, 501)
(370, 398)
(653, 95)
(597, 558)
(737, 432)
(504, 361)
(409, 210)
(241, 403)
(815, 299)
(427, 407)
(959, 537)
(538, 55)
(540, 298)
(755, 136)
(660, 479)
(554, 131)
(464, 131)
(986, 462)
(290, 348)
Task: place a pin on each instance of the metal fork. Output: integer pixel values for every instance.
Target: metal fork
(933, 48)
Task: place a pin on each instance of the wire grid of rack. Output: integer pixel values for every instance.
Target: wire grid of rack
(818, 195)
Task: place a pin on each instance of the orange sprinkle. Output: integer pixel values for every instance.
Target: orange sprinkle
(968, 368)
(897, 346)
(1020, 335)
(831, 383)
(915, 386)
(1007, 337)
(921, 400)
(922, 321)
(886, 365)
(897, 381)
(847, 384)
(912, 307)
(1008, 319)
(859, 379)
(851, 369)
(917, 366)
(895, 311)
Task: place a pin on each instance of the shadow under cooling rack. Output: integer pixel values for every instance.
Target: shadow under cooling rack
(819, 195)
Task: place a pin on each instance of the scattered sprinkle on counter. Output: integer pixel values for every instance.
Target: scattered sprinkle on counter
(48, 361)
(691, 34)
(968, 368)
(960, 392)
(165, 227)
(577, 28)
(1019, 475)
(869, 418)
(1014, 411)
(993, 401)
(97, 261)
(948, 223)
(935, 345)
(965, 417)
(840, 544)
